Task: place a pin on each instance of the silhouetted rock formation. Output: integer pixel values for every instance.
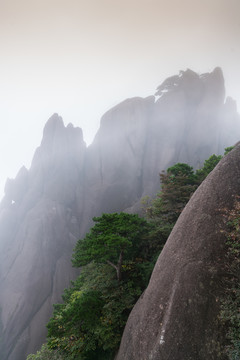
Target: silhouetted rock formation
(48, 207)
(177, 316)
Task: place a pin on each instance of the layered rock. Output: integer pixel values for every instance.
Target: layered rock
(177, 316)
(48, 207)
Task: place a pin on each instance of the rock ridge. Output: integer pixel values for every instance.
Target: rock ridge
(47, 208)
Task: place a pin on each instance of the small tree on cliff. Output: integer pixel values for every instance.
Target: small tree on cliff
(178, 184)
(209, 165)
(113, 239)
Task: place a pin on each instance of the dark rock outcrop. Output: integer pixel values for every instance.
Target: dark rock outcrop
(48, 207)
(177, 316)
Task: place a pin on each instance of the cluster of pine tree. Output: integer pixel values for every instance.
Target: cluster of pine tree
(116, 258)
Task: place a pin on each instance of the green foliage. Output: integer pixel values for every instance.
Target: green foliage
(90, 322)
(178, 184)
(208, 166)
(181, 169)
(230, 301)
(71, 329)
(228, 149)
(113, 239)
(46, 354)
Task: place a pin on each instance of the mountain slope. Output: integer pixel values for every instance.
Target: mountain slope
(177, 316)
(48, 207)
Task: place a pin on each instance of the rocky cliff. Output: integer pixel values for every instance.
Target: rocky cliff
(48, 207)
(177, 316)
(38, 229)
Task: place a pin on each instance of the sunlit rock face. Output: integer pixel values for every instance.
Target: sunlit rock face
(48, 207)
(177, 315)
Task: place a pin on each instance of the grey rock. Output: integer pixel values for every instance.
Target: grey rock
(38, 230)
(47, 208)
(177, 316)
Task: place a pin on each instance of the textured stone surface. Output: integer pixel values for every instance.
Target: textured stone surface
(48, 207)
(176, 317)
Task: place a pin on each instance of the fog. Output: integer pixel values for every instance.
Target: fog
(79, 58)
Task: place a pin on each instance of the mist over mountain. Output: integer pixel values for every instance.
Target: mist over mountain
(47, 208)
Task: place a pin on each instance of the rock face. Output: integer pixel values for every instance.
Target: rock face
(48, 207)
(38, 229)
(176, 317)
(140, 137)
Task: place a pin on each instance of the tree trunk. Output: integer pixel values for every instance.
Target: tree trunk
(118, 267)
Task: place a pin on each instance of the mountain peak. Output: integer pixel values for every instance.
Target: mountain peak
(54, 123)
(59, 142)
(195, 86)
(46, 209)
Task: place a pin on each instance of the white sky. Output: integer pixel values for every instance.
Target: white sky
(81, 57)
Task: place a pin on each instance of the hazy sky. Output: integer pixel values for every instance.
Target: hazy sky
(80, 57)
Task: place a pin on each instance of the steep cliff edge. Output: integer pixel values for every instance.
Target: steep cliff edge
(48, 207)
(38, 229)
(177, 316)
